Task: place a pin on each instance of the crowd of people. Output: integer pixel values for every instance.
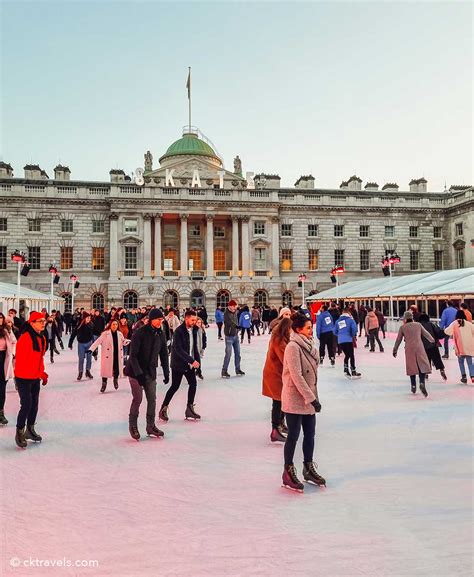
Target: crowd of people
(133, 343)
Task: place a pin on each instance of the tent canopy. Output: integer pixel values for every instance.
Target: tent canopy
(438, 283)
(9, 291)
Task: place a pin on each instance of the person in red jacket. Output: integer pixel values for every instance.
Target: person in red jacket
(29, 372)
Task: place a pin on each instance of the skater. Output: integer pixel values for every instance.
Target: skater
(245, 322)
(325, 334)
(255, 320)
(112, 343)
(447, 317)
(272, 315)
(265, 318)
(148, 342)
(382, 321)
(126, 331)
(202, 344)
(345, 330)
(98, 323)
(231, 340)
(173, 322)
(335, 314)
(51, 332)
(58, 317)
(467, 312)
(17, 321)
(219, 322)
(432, 349)
(84, 332)
(272, 376)
(185, 361)
(29, 374)
(300, 401)
(463, 333)
(7, 353)
(362, 313)
(372, 329)
(68, 321)
(416, 360)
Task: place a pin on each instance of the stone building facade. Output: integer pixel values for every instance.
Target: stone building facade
(190, 232)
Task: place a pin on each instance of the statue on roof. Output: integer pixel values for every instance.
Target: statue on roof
(237, 166)
(148, 161)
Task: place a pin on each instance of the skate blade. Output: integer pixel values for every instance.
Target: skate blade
(192, 419)
(292, 489)
(314, 483)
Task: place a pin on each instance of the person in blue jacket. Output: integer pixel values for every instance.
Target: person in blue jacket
(447, 317)
(219, 322)
(245, 323)
(345, 329)
(325, 334)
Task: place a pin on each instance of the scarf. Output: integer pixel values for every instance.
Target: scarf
(308, 345)
(39, 340)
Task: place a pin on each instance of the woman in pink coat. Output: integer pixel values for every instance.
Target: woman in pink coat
(111, 342)
(463, 333)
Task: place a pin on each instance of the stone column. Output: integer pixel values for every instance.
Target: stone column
(184, 264)
(147, 246)
(245, 246)
(210, 246)
(113, 246)
(235, 246)
(275, 246)
(158, 256)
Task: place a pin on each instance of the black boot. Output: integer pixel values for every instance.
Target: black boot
(88, 374)
(79, 376)
(104, 385)
(225, 375)
(3, 420)
(151, 429)
(32, 434)
(290, 479)
(239, 372)
(311, 476)
(133, 428)
(20, 438)
(115, 383)
(347, 373)
(423, 389)
(277, 437)
(163, 414)
(191, 413)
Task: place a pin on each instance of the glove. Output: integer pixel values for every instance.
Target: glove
(44, 378)
(317, 406)
(142, 379)
(394, 355)
(166, 380)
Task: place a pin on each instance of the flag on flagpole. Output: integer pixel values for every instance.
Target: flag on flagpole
(188, 84)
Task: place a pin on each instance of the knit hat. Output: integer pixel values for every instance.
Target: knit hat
(284, 310)
(34, 316)
(232, 303)
(85, 314)
(408, 316)
(155, 314)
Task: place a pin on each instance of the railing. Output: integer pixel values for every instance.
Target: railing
(34, 188)
(222, 273)
(67, 189)
(261, 273)
(170, 273)
(131, 189)
(130, 272)
(197, 274)
(259, 194)
(102, 190)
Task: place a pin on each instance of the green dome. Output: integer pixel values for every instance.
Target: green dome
(192, 145)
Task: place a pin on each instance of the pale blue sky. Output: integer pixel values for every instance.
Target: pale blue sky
(380, 89)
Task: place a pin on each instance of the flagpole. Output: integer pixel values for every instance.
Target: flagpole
(189, 97)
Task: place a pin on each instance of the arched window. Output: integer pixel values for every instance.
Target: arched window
(287, 299)
(171, 299)
(130, 300)
(260, 298)
(198, 299)
(67, 302)
(98, 301)
(222, 298)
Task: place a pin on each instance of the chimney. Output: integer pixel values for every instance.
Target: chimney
(32, 172)
(62, 173)
(371, 186)
(390, 187)
(117, 175)
(6, 170)
(305, 182)
(354, 183)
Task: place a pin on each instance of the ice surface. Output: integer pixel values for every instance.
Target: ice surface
(206, 500)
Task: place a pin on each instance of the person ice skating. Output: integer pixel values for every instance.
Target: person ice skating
(345, 329)
(447, 317)
(372, 329)
(29, 374)
(98, 324)
(467, 312)
(148, 343)
(255, 320)
(173, 322)
(58, 317)
(432, 349)
(245, 322)
(265, 318)
(362, 313)
(219, 322)
(300, 402)
(416, 359)
(185, 361)
(382, 321)
(7, 352)
(202, 344)
(231, 340)
(17, 321)
(272, 376)
(84, 332)
(112, 343)
(325, 334)
(462, 332)
(52, 333)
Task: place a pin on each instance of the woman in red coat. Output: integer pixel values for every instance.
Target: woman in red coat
(272, 376)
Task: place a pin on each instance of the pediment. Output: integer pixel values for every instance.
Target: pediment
(459, 243)
(259, 242)
(130, 239)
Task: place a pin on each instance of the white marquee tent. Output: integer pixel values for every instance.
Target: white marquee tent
(31, 299)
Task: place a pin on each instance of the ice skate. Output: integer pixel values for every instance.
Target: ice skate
(333, 362)
(443, 375)
(163, 414)
(31, 434)
(133, 428)
(115, 384)
(239, 373)
(152, 430)
(3, 420)
(79, 376)
(20, 438)
(89, 374)
(347, 373)
(225, 375)
(321, 361)
(464, 380)
(191, 413)
(290, 479)
(355, 374)
(413, 388)
(104, 385)
(423, 389)
(311, 476)
(276, 436)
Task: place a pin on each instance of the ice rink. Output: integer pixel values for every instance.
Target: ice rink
(207, 499)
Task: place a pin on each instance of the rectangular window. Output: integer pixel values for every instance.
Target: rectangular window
(459, 258)
(413, 232)
(258, 227)
(338, 230)
(34, 225)
(66, 226)
(98, 258)
(312, 230)
(286, 229)
(414, 260)
(313, 259)
(219, 259)
(170, 259)
(67, 257)
(260, 259)
(170, 230)
(3, 225)
(339, 257)
(3, 257)
(364, 230)
(438, 260)
(364, 259)
(437, 231)
(98, 226)
(195, 230)
(131, 258)
(130, 225)
(459, 229)
(34, 257)
(390, 230)
(219, 231)
(286, 259)
(196, 257)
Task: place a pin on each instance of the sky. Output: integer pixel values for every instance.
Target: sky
(378, 89)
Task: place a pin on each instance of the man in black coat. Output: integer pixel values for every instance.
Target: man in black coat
(185, 361)
(148, 343)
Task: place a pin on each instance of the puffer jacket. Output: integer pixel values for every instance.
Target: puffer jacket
(345, 328)
(371, 321)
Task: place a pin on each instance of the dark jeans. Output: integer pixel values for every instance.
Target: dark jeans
(256, 325)
(219, 330)
(242, 334)
(348, 350)
(435, 358)
(176, 378)
(446, 346)
(382, 328)
(137, 393)
(374, 336)
(232, 343)
(295, 423)
(362, 326)
(326, 340)
(29, 390)
(3, 382)
(277, 414)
